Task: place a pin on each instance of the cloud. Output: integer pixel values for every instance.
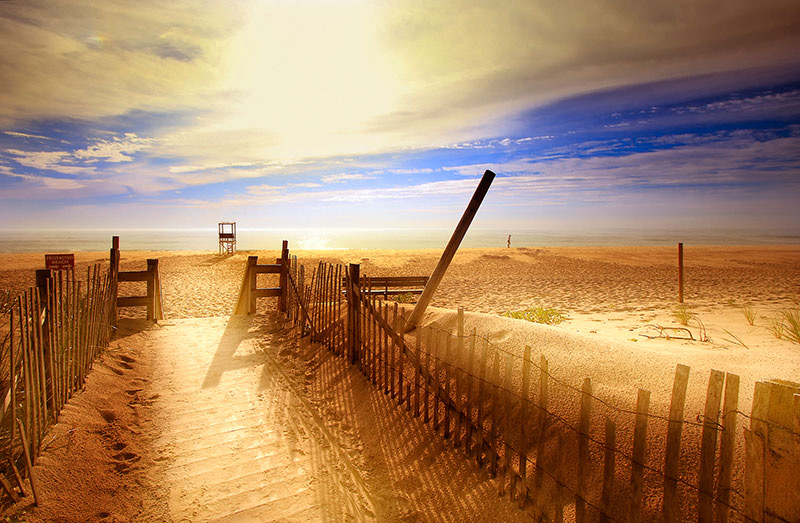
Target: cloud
(80, 161)
(26, 135)
(88, 60)
(47, 161)
(340, 178)
(114, 150)
(358, 78)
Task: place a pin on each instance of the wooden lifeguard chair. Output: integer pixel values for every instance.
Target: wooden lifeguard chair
(227, 237)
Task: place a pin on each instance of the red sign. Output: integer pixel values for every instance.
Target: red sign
(59, 261)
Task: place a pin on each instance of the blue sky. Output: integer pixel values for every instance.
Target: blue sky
(351, 114)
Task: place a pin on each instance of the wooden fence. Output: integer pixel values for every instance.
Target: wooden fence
(50, 338)
(151, 275)
(54, 333)
(556, 448)
(249, 290)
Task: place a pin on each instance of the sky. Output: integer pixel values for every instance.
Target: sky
(594, 115)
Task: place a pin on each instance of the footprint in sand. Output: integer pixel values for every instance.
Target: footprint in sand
(109, 415)
(123, 461)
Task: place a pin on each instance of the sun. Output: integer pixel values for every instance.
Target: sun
(313, 75)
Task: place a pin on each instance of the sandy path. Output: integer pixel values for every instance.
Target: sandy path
(238, 442)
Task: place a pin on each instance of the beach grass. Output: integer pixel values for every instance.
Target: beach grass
(775, 326)
(682, 313)
(791, 325)
(546, 315)
(750, 313)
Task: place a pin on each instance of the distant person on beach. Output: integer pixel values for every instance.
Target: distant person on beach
(509, 241)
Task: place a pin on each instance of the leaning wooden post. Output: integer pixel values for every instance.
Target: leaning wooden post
(152, 270)
(283, 276)
(353, 298)
(449, 251)
(680, 272)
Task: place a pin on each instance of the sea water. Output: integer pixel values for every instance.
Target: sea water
(76, 240)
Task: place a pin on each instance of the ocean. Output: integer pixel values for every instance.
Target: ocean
(77, 240)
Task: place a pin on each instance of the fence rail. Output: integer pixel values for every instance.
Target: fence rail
(549, 443)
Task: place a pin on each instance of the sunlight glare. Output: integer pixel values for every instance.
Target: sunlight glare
(312, 74)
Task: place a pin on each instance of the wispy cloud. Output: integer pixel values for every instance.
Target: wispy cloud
(340, 178)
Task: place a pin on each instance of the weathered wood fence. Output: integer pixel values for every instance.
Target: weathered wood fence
(556, 448)
(152, 300)
(249, 290)
(50, 337)
(54, 333)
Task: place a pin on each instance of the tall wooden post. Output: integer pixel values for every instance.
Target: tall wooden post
(114, 277)
(353, 309)
(252, 283)
(283, 276)
(152, 269)
(450, 251)
(680, 272)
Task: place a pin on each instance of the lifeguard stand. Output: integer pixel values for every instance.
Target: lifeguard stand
(227, 237)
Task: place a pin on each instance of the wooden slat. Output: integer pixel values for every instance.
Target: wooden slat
(457, 371)
(417, 339)
(268, 268)
(583, 450)
(393, 352)
(672, 457)
(448, 339)
(523, 425)
(435, 349)
(755, 466)
(481, 393)
(754, 475)
(134, 276)
(132, 301)
(8, 488)
(393, 292)
(507, 465)
(708, 446)
(425, 412)
(270, 292)
(639, 450)
(470, 392)
(495, 414)
(393, 280)
(29, 463)
(386, 350)
(727, 446)
(401, 320)
(608, 469)
(538, 479)
(561, 489)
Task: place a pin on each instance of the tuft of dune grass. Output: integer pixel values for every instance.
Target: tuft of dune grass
(546, 315)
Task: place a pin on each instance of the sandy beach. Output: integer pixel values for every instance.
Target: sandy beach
(614, 300)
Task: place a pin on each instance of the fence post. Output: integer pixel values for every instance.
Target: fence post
(252, 283)
(43, 277)
(152, 269)
(114, 273)
(353, 296)
(283, 276)
(680, 272)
